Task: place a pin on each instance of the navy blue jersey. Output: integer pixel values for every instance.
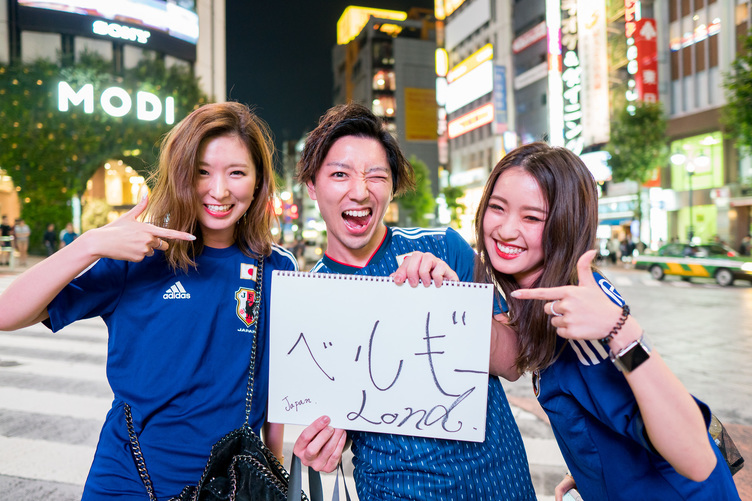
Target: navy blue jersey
(178, 352)
(398, 467)
(599, 429)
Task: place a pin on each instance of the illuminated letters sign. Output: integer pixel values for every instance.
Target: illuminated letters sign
(117, 102)
(475, 59)
(471, 121)
(115, 30)
(571, 77)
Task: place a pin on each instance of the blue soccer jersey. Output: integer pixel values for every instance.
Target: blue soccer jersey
(397, 467)
(600, 432)
(179, 349)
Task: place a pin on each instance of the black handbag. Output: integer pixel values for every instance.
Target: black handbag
(240, 466)
(728, 449)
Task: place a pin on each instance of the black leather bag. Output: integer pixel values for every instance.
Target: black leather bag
(240, 466)
(722, 439)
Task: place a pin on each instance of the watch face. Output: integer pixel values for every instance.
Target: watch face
(634, 357)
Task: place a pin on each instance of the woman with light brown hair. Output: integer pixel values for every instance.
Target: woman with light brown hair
(174, 279)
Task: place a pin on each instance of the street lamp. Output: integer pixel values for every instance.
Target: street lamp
(690, 172)
(690, 165)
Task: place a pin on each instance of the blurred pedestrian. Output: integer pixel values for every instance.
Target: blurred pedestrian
(21, 233)
(6, 246)
(746, 245)
(68, 235)
(176, 290)
(613, 249)
(50, 239)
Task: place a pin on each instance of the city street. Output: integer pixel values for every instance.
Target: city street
(53, 392)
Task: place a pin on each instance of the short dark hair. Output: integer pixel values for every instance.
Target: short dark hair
(353, 120)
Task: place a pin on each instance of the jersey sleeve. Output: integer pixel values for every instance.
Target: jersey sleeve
(284, 259)
(94, 293)
(460, 256)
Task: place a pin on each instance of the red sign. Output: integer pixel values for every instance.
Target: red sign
(646, 78)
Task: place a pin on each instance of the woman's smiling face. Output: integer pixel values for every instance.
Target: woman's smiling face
(513, 226)
(225, 185)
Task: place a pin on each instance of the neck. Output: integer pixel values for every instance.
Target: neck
(359, 257)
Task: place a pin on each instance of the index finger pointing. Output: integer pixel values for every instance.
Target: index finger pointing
(547, 293)
(168, 234)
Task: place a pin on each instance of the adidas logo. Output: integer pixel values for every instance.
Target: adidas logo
(176, 292)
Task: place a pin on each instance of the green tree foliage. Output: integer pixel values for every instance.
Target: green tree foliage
(737, 113)
(452, 194)
(638, 142)
(417, 204)
(50, 154)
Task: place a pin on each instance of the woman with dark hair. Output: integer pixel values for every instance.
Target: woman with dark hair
(624, 423)
(173, 281)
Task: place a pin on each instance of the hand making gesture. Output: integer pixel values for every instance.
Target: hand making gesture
(580, 311)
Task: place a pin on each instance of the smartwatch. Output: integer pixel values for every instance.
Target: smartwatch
(633, 355)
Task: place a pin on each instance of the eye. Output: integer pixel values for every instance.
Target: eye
(238, 173)
(339, 174)
(203, 172)
(495, 207)
(534, 219)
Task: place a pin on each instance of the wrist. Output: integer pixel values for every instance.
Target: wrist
(630, 333)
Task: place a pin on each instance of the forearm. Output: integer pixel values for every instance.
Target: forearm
(274, 435)
(504, 350)
(673, 421)
(24, 302)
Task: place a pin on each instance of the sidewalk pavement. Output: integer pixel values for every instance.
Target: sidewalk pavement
(547, 466)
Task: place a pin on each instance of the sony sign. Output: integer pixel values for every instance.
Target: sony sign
(115, 30)
(116, 102)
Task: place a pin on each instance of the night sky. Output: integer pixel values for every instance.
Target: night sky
(279, 57)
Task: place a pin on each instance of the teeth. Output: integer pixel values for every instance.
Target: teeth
(218, 208)
(508, 250)
(357, 213)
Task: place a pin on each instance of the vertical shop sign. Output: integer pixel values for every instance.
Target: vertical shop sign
(500, 99)
(571, 77)
(592, 49)
(646, 77)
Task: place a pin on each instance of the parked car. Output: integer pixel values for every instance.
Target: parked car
(706, 261)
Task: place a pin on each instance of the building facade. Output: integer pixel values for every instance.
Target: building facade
(185, 33)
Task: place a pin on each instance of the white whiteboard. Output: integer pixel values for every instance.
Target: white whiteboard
(375, 356)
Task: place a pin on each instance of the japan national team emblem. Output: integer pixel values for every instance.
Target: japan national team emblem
(247, 271)
(244, 307)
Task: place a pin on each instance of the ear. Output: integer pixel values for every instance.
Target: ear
(311, 190)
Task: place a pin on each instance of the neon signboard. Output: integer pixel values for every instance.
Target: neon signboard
(117, 102)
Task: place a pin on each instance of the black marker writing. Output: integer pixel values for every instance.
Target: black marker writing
(305, 342)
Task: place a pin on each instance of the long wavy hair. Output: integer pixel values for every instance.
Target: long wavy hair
(569, 231)
(353, 120)
(174, 202)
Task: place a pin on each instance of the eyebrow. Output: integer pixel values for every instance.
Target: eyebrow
(345, 165)
(524, 207)
(201, 162)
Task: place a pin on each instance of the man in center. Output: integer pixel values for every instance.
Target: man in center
(353, 167)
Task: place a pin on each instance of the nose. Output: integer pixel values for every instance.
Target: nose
(507, 229)
(359, 190)
(218, 187)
